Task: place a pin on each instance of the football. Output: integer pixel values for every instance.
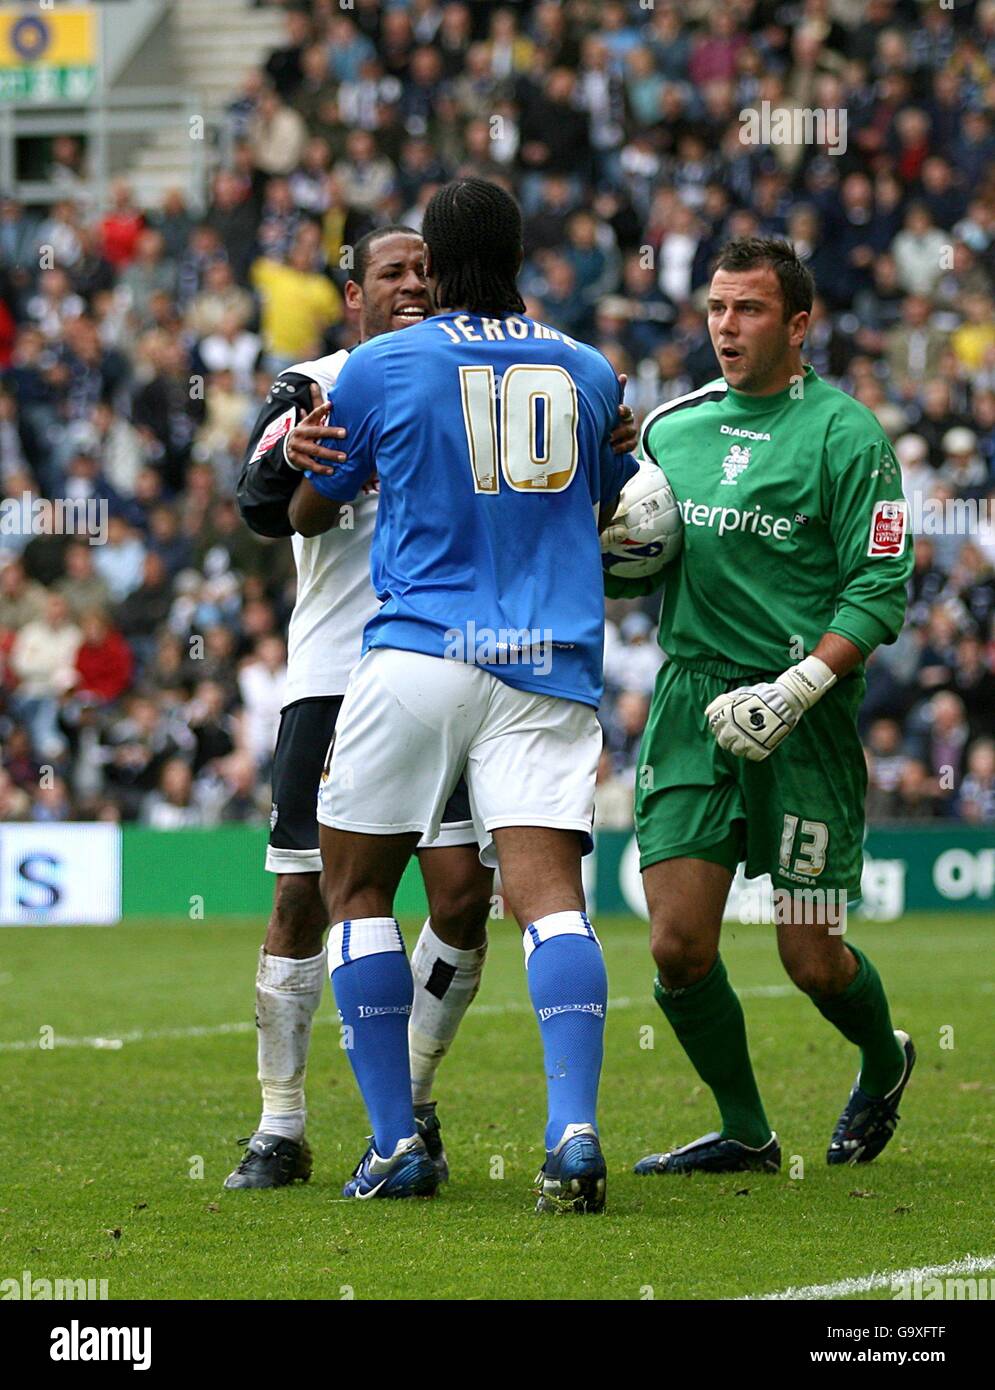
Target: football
(647, 529)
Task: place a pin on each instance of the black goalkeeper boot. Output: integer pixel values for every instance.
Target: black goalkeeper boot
(271, 1161)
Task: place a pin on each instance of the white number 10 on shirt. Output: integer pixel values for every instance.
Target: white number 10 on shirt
(538, 449)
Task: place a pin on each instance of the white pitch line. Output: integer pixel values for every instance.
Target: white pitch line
(867, 1283)
(138, 1035)
(214, 1030)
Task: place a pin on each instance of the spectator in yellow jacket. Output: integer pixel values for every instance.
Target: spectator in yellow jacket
(298, 304)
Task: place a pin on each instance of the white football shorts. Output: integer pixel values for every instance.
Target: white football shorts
(410, 724)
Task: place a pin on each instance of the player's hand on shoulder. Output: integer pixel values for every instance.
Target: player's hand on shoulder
(307, 446)
(625, 435)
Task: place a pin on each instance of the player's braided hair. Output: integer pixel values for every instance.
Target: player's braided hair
(365, 244)
(794, 277)
(474, 231)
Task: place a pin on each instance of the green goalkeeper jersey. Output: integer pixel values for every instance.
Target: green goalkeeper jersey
(794, 525)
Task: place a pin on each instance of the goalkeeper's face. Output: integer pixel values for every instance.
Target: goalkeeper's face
(758, 351)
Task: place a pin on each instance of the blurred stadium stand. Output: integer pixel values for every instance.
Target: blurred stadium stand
(141, 679)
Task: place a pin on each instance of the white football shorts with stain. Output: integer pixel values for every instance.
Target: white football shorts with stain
(411, 724)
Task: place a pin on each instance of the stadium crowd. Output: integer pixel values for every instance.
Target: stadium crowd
(141, 678)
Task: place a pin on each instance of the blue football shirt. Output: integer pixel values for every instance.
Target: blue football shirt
(491, 439)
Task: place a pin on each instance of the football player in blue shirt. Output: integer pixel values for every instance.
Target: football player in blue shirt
(490, 434)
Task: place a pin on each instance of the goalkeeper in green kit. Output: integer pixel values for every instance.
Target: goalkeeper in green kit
(793, 569)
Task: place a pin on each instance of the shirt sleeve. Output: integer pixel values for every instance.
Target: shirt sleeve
(357, 404)
(267, 481)
(614, 470)
(869, 525)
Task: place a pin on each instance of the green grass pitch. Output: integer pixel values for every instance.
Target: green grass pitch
(114, 1156)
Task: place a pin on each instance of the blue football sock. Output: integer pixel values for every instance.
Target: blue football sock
(372, 982)
(568, 987)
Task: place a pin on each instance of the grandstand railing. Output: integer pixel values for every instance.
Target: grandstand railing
(120, 111)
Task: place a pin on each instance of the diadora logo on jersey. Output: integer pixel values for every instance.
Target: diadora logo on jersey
(887, 528)
(735, 461)
(275, 431)
(744, 434)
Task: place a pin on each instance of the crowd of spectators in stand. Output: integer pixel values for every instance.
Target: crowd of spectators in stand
(142, 678)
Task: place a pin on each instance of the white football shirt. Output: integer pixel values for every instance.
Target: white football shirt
(335, 599)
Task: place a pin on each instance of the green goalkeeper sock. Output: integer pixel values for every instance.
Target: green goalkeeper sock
(708, 1020)
(862, 1015)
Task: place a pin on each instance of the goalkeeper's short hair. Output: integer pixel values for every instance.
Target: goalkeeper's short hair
(794, 277)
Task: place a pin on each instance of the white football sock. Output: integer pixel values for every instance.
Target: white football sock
(446, 980)
(287, 993)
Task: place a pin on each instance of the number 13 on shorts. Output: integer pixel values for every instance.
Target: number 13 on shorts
(811, 839)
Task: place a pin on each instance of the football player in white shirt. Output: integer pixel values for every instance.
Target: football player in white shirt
(335, 600)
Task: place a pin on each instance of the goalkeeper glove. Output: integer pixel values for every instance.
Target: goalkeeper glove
(753, 720)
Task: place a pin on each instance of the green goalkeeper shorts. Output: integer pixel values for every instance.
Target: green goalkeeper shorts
(798, 815)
